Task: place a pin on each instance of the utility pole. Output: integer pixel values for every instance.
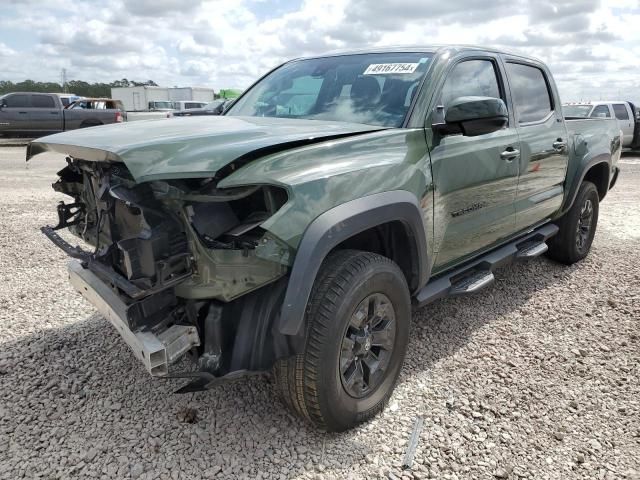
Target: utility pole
(64, 80)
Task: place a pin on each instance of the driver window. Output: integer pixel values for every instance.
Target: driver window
(471, 78)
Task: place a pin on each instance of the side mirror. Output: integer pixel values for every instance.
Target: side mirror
(471, 116)
(226, 106)
(2, 105)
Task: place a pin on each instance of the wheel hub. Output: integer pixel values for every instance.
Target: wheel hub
(367, 345)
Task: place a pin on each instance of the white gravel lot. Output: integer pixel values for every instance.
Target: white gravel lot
(537, 377)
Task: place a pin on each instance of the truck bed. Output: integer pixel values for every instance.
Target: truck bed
(592, 137)
(590, 126)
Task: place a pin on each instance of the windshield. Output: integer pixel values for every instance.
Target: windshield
(374, 89)
(576, 110)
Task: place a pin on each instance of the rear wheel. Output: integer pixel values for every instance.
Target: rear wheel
(357, 332)
(89, 124)
(577, 227)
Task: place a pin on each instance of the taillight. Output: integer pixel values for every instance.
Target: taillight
(119, 118)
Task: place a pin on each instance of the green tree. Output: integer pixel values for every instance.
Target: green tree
(77, 87)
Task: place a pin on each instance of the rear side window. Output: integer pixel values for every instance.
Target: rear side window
(17, 101)
(530, 92)
(601, 111)
(471, 78)
(620, 111)
(42, 101)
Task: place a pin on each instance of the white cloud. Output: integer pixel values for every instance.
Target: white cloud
(5, 51)
(592, 46)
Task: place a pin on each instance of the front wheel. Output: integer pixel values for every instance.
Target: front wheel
(357, 333)
(577, 227)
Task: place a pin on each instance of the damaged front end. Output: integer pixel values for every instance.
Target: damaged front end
(177, 266)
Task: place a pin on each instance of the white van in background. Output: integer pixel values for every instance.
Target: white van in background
(620, 110)
(182, 105)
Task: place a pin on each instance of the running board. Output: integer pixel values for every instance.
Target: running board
(532, 250)
(472, 283)
(478, 273)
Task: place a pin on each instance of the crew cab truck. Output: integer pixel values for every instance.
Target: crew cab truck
(296, 232)
(622, 111)
(38, 113)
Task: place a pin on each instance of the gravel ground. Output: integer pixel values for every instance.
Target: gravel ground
(537, 377)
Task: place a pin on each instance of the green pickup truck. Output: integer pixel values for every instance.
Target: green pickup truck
(295, 233)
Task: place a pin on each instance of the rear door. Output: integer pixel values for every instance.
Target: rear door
(475, 177)
(14, 116)
(600, 111)
(623, 114)
(543, 140)
(45, 114)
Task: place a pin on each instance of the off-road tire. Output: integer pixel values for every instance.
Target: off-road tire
(89, 124)
(564, 246)
(310, 383)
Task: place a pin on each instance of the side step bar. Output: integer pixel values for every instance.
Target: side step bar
(478, 274)
(472, 283)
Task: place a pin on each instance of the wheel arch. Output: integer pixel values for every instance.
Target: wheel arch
(595, 170)
(91, 122)
(397, 212)
(598, 174)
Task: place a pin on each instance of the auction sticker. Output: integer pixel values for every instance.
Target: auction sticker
(388, 68)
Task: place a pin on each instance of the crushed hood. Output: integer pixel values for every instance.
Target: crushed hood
(191, 147)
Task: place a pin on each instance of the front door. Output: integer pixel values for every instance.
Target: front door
(475, 178)
(14, 116)
(543, 138)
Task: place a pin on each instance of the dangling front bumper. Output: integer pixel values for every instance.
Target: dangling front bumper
(156, 350)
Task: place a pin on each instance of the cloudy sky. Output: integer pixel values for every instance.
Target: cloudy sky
(593, 47)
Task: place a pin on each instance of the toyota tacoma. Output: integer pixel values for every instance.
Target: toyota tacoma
(295, 233)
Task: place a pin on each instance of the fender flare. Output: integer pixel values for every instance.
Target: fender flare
(578, 178)
(91, 122)
(338, 224)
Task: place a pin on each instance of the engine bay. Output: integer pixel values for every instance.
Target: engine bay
(152, 235)
(172, 254)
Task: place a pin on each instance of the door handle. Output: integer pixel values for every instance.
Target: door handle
(510, 154)
(23, 113)
(53, 113)
(559, 145)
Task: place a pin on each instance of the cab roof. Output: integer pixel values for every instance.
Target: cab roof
(435, 49)
(595, 102)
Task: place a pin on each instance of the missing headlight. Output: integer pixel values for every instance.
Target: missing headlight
(236, 223)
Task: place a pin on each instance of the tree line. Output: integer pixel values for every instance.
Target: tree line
(77, 87)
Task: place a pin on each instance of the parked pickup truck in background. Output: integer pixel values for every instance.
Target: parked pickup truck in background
(38, 113)
(296, 232)
(624, 113)
(98, 104)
